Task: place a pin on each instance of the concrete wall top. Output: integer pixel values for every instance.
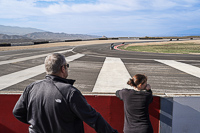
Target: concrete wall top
(113, 94)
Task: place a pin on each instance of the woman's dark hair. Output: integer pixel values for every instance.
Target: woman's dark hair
(137, 79)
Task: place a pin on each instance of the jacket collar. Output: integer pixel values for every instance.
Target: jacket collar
(57, 78)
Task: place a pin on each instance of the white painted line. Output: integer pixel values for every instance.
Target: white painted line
(192, 70)
(16, 77)
(29, 58)
(73, 57)
(113, 76)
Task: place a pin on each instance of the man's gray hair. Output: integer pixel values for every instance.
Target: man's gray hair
(54, 62)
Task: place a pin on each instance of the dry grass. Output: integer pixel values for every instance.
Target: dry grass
(181, 47)
(162, 43)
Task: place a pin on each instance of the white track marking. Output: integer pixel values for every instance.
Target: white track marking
(113, 76)
(16, 77)
(192, 70)
(29, 58)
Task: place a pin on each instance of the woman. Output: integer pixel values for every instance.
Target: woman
(136, 103)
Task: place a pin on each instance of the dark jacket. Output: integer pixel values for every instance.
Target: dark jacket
(136, 104)
(54, 105)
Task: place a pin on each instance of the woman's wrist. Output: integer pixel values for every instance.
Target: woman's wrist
(148, 87)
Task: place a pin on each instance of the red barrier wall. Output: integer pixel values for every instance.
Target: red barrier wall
(8, 123)
(110, 107)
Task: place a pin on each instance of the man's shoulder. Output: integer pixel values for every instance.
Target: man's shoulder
(35, 82)
(66, 88)
(31, 85)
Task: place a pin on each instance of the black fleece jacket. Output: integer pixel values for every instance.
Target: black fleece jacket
(54, 105)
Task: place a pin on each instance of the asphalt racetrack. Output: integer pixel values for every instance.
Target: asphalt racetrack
(98, 69)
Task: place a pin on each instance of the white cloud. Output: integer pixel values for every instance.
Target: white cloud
(100, 15)
(84, 8)
(23, 8)
(99, 6)
(162, 4)
(117, 5)
(17, 9)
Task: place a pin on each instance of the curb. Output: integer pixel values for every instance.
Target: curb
(116, 47)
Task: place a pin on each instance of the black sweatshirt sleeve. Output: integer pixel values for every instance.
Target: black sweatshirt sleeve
(118, 94)
(89, 115)
(20, 111)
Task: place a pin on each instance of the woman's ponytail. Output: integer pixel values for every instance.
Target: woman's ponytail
(131, 82)
(137, 79)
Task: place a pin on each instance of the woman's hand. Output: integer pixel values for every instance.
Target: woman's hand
(148, 87)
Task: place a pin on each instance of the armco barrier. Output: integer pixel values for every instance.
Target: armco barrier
(110, 107)
(5, 44)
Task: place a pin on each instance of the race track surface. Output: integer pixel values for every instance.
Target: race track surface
(96, 68)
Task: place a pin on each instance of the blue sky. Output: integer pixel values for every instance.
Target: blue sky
(104, 17)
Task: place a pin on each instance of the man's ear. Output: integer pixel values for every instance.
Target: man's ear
(63, 69)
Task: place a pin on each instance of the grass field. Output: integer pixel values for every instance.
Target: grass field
(181, 48)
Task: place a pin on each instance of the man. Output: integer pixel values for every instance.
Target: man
(54, 105)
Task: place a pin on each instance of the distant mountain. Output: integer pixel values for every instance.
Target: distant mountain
(3, 36)
(58, 36)
(14, 30)
(48, 36)
(13, 39)
(10, 34)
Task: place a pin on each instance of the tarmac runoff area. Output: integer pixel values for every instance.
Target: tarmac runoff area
(105, 75)
(110, 80)
(22, 75)
(166, 114)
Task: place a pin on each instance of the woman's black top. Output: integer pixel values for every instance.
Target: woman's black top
(136, 112)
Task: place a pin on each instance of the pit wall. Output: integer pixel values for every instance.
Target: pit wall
(167, 114)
